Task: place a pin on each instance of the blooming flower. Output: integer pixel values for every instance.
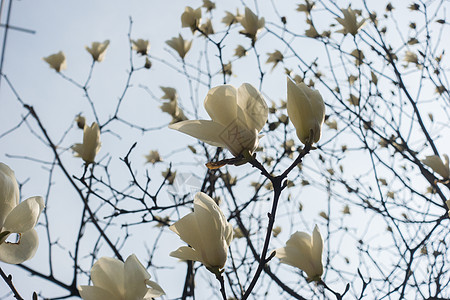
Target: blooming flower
(115, 280)
(358, 55)
(237, 117)
(306, 111)
(275, 57)
(411, 57)
(251, 23)
(436, 164)
(91, 144)
(17, 218)
(172, 108)
(191, 18)
(141, 46)
(57, 61)
(230, 18)
(207, 28)
(240, 51)
(180, 45)
(307, 7)
(98, 50)
(349, 22)
(304, 252)
(208, 233)
(153, 157)
(209, 5)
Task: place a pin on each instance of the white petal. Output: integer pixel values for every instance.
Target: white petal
(108, 273)
(96, 293)
(220, 103)
(9, 192)
(135, 277)
(253, 105)
(154, 291)
(188, 230)
(317, 249)
(207, 131)
(24, 216)
(186, 253)
(12, 253)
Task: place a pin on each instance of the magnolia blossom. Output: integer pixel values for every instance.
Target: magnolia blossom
(17, 218)
(306, 8)
(191, 18)
(304, 252)
(98, 50)
(207, 28)
(91, 144)
(275, 57)
(312, 32)
(240, 51)
(251, 23)
(57, 61)
(208, 233)
(306, 111)
(436, 164)
(81, 121)
(411, 57)
(209, 5)
(358, 55)
(349, 22)
(230, 18)
(115, 280)
(238, 115)
(172, 107)
(153, 157)
(140, 46)
(169, 93)
(180, 45)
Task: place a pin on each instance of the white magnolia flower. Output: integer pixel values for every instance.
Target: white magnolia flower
(207, 28)
(153, 157)
(230, 18)
(306, 111)
(180, 45)
(251, 23)
(238, 115)
(171, 107)
(240, 51)
(91, 144)
(304, 252)
(57, 61)
(436, 164)
(275, 57)
(17, 218)
(98, 50)
(140, 46)
(191, 18)
(208, 233)
(349, 22)
(115, 280)
(169, 93)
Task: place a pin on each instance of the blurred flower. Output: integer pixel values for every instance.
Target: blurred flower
(207, 28)
(238, 115)
(251, 23)
(230, 18)
(307, 7)
(411, 57)
(346, 210)
(91, 144)
(227, 69)
(209, 5)
(180, 45)
(332, 124)
(169, 175)
(306, 111)
(174, 110)
(57, 61)
(324, 215)
(353, 100)
(436, 164)
(358, 55)
(349, 22)
(98, 50)
(240, 51)
(191, 18)
(153, 157)
(304, 252)
(207, 231)
(374, 78)
(148, 63)
(237, 233)
(81, 121)
(169, 93)
(311, 32)
(275, 57)
(116, 280)
(276, 231)
(140, 46)
(19, 218)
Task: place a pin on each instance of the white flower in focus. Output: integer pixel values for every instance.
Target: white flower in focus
(191, 18)
(251, 23)
(91, 144)
(180, 45)
(349, 22)
(436, 164)
(98, 50)
(140, 46)
(238, 115)
(115, 280)
(304, 252)
(17, 218)
(208, 233)
(57, 61)
(306, 111)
